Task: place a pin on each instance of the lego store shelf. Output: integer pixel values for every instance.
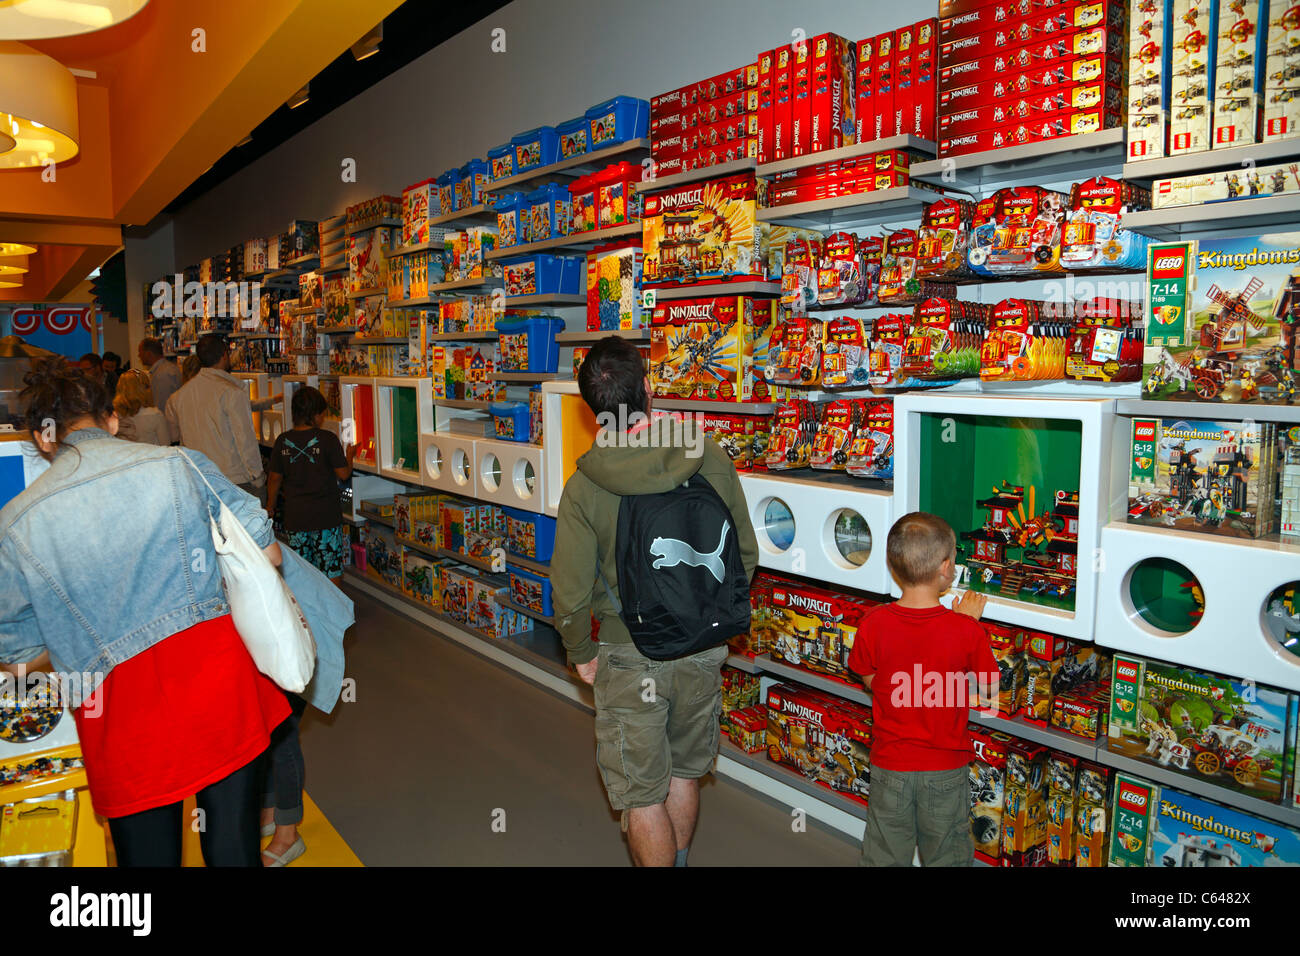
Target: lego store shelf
(1190, 784)
(852, 212)
(459, 285)
(481, 563)
(775, 668)
(465, 403)
(537, 567)
(1256, 215)
(742, 663)
(913, 144)
(722, 408)
(1089, 154)
(414, 303)
(380, 340)
(1235, 157)
(1236, 411)
(791, 778)
(577, 240)
(572, 167)
(1148, 600)
(523, 376)
(1047, 736)
(374, 516)
(545, 298)
(367, 293)
(415, 247)
(528, 612)
(578, 338)
(483, 335)
(704, 290)
(482, 214)
(715, 171)
(366, 227)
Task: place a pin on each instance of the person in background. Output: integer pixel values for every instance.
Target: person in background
(172, 704)
(138, 420)
(307, 463)
(92, 365)
(164, 376)
(214, 415)
(921, 751)
(112, 365)
(190, 366)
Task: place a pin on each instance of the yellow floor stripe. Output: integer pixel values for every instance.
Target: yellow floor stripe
(325, 847)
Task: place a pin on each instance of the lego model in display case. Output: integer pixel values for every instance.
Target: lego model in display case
(1227, 732)
(1208, 476)
(1017, 480)
(1223, 322)
(702, 231)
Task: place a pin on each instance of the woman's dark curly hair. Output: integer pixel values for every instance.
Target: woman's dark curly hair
(61, 393)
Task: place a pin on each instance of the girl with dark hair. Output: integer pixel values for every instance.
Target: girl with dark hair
(307, 463)
(168, 702)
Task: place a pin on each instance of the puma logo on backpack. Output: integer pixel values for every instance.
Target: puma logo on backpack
(671, 552)
(684, 600)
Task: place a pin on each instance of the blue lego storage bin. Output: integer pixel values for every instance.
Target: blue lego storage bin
(447, 183)
(575, 137)
(474, 178)
(512, 217)
(542, 274)
(617, 120)
(530, 590)
(536, 147)
(529, 535)
(549, 212)
(501, 161)
(510, 421)
(528, 344)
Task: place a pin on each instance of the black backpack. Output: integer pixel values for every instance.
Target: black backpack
(683, 585)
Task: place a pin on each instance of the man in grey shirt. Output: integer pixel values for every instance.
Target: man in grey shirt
(213, 414)
(164, 376)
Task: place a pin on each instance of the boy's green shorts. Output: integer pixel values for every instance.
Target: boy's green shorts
(655, 720)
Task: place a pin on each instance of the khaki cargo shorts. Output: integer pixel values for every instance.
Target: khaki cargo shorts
(655, 720)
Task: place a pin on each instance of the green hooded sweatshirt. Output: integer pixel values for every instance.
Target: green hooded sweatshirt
(587, 526)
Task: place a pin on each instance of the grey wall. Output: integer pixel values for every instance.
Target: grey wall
(150, 254)
(461, 99)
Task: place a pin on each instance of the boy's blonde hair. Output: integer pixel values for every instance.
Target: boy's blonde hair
(918, 543)
(133, 393)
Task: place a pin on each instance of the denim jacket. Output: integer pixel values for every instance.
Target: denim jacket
(109, 552)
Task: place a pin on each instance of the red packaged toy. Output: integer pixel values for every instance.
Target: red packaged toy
(884, 86)
(871, 454)
(794, 351)
(833, 101)
(864, 119)
(839, 422)
(941, 242)
(846, 355)
(794, 424)
(783, 102)
(841, 279)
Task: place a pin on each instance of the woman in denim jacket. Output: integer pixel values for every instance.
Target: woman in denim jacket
(111, 581)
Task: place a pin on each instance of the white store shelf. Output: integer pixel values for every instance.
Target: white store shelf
(707, 289)
(1091, 154)
(853, 212)
(570, 168)
(906, 141)
(1257, 215)
(1256, 154)
(1233, 411)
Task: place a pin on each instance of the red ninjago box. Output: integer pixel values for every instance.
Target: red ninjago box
(782, 102)
(725, 107)
(1038, 79)
(1059, 50)
(884, 86)
(1040, 26)
(864, 80)
(1041, 16)
(1022, 132)
(800, 98)
(766, 74)
(832, 101)
(1032, 108)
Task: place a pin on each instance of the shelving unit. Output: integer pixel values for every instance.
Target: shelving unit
(528, 612)
(523, 376)
(853, 212)
(1090, 154)
(1209, 410)
(696, 175)
(355, 230)
(396, 251)
(706, 289)
(735, 408)
(482, 214)
(465, 403)
(459, 285)
(481, 336)
(1260, 214)
(1256, 154)
(578, 338)
(906, 141)
(550, 298)
(367, 293)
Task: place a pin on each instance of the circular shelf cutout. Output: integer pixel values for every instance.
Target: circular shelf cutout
(460, 467)
(525, 479)
(1165, 596)
(777, 522)
(1281, 614)
(433, 462)
(490, 474)
(848, 538)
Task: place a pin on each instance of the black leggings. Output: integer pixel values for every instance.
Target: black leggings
(229, 836)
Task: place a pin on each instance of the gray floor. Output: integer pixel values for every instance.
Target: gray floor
(440, 741)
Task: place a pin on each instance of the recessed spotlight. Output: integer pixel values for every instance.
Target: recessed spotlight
(302, 96)
(368, 45)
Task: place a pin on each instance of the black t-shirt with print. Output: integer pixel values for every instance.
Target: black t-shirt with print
(306, 458)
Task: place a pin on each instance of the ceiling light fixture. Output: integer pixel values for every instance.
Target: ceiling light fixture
(299, 98)
(16, 249)
(368, 45)
(46, 19)
(6, 284)
(38, 108)
(13, 265)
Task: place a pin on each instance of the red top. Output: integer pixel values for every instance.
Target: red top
(189, 711)
(920, 697)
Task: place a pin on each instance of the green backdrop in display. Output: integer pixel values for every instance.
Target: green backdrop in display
(966, 457)
(1162, 595)
(406, 428)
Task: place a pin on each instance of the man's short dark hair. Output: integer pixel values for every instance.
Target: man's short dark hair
(152, 345)
(93, 359)
(210, 349)
(113, 357)
(307, 404)
(613, 376)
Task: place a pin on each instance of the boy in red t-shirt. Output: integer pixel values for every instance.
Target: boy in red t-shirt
(923, 664)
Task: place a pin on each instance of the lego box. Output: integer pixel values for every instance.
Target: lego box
(1222, 320)
(709, 348)
(1192, 831)
(701, 231)
(824, 738)
(814, 628)
(1221, 731)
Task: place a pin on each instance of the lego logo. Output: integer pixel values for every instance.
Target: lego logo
(1145, 431)
(1126, 672)
(1133, 798)
(1169, 266)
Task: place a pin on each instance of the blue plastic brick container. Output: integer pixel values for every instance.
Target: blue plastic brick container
(616, 121)
(549, 212)
(575, 137)
(541, 274)
(528, 344)
(447, 190)
(510, 224)
(473, 181)
(536, 147)
(530, 590)
(510, 420)
(501, 161)
(529, 535)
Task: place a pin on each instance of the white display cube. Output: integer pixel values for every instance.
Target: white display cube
(447, 463)
(391, 464)
(510, 473)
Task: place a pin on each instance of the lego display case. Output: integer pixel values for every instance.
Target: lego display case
(403, 412)
(568, 430)
(358, 407)
(447, 462)
(1021, 482)
(510, 473)
(831, 532)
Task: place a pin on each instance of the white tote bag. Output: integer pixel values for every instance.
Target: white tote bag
(262, 606)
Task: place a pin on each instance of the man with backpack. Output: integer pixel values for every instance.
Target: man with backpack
(654, 540)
